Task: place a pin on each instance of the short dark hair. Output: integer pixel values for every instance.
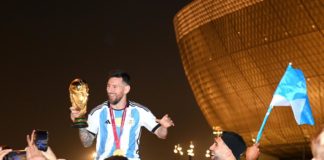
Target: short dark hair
(120, 74)
(116, 158)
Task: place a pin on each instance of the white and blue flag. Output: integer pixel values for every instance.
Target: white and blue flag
(291, 91)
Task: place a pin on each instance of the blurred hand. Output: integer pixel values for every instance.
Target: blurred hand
(4, 152)
(253, 152)
(49, 154)
(165, 121)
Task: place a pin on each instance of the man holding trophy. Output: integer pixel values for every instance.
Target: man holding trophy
(116, 123)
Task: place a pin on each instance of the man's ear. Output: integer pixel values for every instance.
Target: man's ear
(127, 89)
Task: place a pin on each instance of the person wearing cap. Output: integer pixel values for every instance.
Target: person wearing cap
(230, 146)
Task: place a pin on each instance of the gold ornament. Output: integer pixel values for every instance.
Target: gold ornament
(79, 92)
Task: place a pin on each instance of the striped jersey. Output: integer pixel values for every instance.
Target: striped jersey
(137, 116)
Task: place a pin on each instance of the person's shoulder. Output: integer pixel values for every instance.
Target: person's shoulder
(138, 106)
(98, 108)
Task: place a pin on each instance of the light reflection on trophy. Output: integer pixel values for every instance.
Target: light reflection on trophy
(79, 92)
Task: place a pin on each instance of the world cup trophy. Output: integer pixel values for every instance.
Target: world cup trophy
(79, 92)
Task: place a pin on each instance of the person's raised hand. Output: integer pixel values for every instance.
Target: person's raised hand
(32, 152)
(253, 152)
(165, 121)
(49, 154)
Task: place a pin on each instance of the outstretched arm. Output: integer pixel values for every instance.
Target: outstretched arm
(165, 123)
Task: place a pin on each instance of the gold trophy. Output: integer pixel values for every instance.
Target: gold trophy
(79, 92)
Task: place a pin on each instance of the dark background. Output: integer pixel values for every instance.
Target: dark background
(46, 44)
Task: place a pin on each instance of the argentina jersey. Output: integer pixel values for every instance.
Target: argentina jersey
(100, 124)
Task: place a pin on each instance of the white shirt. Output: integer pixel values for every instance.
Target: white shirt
(99, 121)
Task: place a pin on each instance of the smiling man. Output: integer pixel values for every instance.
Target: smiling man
(116, 123)
(231, 146)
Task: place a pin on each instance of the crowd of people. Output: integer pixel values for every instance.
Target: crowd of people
(228, 146)
(116, 126)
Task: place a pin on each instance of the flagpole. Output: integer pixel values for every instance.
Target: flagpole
(263, 124)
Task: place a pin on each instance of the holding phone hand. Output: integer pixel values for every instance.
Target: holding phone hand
(4, 152)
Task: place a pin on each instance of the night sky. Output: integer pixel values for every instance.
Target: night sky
(46, 44)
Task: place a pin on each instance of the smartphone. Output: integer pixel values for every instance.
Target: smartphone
(41, 139)
(16, 155)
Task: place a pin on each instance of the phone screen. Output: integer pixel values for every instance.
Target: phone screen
(41, 140)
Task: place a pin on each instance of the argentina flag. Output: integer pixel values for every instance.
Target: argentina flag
(292, 91)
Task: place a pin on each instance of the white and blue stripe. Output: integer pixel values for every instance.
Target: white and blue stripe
(137, 116)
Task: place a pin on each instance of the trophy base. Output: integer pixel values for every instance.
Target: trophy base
(80, 123)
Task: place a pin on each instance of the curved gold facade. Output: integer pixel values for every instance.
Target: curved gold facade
(234, 54)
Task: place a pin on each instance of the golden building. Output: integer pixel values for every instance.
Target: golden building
(234, 53)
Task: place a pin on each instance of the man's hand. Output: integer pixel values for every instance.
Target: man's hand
(253, 152)
(165, 121)
(75, 113)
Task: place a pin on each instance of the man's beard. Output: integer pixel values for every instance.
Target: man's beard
(116, 101)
